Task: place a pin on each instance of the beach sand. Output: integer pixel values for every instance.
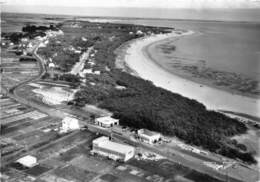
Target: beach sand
(136, 59)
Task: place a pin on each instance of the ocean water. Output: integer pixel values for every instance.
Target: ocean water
(225, 46)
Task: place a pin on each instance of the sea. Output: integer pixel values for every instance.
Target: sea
(224, 46)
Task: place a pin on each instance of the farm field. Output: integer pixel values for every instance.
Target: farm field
(14, 72)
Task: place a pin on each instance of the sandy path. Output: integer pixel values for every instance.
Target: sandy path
(78, 67)
(214, 99)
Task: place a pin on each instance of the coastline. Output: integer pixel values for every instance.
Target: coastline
(132, 56)
(177, 67)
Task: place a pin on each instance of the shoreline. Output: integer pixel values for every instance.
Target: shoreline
(195, 77)
(132, 56)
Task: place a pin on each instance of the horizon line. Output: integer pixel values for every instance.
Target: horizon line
(128, 17)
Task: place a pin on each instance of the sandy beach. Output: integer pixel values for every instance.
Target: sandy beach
(136, 58)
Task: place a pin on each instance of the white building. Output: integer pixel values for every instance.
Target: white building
(24, 39)
(69, 124)
(28, 161)
(139, 32)
(87, 71)
(106, 121)
(84, 39)
(148, 136)
(97, 72)
(116, 151)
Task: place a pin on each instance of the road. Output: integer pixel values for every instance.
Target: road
(77, 68)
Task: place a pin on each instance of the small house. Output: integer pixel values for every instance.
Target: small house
(148, 136)
(106, 121)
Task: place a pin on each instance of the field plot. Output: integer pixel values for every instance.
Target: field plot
(93, 164)
(37, 170)
(127, 173)
(62, 146)
(31, 115)
(13, 110)
(21, 128)
(170, 171)
(35, 133)
(74, 173)
(15, 72)
(6, 102)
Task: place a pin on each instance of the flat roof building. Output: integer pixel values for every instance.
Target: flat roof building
(116, 151)
(28, 161)
(148, 136)
(106, 121)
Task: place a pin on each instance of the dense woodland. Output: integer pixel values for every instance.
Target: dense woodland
(143, 105)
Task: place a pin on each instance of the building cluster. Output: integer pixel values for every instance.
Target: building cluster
(103, 145)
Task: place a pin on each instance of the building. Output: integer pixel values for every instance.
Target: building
(69, 124)
(97, 72)
(116, 151)
(28, 161)
(51, 69)
(139, 32)
(106, 121)
(148, 136)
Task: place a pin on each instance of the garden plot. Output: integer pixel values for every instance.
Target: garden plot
(92, 164)
(7, 130)
(76, 174)
(36, 138)
(37, 170)
(11, 112)
(53, 178)
(8, 60)
(36, 115)
(6, 102)
(32, 115)
(2, 100)
(64, 145)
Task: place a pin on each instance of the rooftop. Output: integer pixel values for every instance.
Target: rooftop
(147, 132)
(104, 142)
(28, 161)
(107, 120)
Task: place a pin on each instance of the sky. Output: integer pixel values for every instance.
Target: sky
(138, 8)
(196, 4)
